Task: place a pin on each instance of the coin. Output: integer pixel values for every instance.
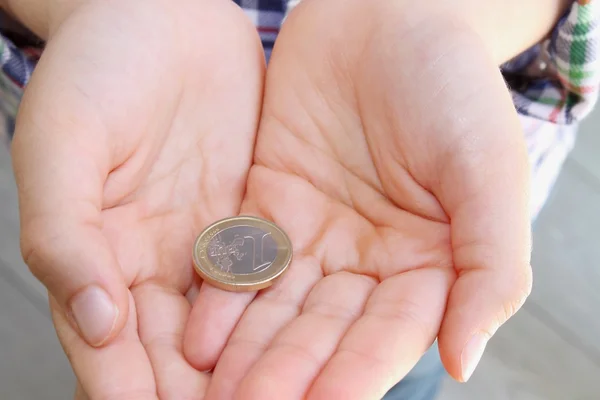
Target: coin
(241, 254)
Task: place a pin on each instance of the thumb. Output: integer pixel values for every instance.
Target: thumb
(484, 189)
(60, 166)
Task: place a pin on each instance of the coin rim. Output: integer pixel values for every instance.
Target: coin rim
(246, 285)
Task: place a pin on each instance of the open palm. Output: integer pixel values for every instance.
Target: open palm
(135, 133)
(402, 190)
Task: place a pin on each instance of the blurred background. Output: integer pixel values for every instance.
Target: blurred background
(550, 350)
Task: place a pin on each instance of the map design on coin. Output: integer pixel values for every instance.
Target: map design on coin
(242, 249)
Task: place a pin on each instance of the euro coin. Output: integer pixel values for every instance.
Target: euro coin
(241, 254)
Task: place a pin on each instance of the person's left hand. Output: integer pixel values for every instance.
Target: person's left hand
(391, 153)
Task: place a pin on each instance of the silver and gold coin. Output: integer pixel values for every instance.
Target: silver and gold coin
(242, 254)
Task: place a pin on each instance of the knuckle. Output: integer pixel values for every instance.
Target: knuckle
(405, 313)
(519, 290)
(38, 250)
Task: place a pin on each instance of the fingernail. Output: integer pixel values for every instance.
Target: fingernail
(472, 354)
(95, 314)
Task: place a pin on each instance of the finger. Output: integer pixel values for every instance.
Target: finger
(76, 264)
(162, 315)
(268, 313)
(78, 267)
(480, 302)
(404, 314)
(56, 153)
(216, 312)
(299, 352)
(119, 370)
(213, 317)
(484, 189)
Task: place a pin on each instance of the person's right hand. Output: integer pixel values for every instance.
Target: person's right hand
(135, 132)
(394, 159)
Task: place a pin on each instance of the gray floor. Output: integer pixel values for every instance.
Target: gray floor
(548, 351)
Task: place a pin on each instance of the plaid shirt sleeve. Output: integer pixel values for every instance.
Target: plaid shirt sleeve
(16, 65)
(558, 80)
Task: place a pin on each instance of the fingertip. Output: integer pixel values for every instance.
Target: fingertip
(480, 302)
(75, 262)
(471, 355)
(96, 316)
(198, 355)
(462, 362)
(214, 315)
(120, 370)
(202, 344)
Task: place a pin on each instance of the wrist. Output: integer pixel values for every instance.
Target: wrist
(508, 27)
(505, 28)
(40, 16)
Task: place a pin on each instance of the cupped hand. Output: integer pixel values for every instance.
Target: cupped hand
(390, 152)
(135, 132)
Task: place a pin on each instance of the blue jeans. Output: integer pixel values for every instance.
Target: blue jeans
(423, 381)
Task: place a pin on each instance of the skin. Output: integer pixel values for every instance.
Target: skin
(403, 229)
(403, 189)
(121, 161)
